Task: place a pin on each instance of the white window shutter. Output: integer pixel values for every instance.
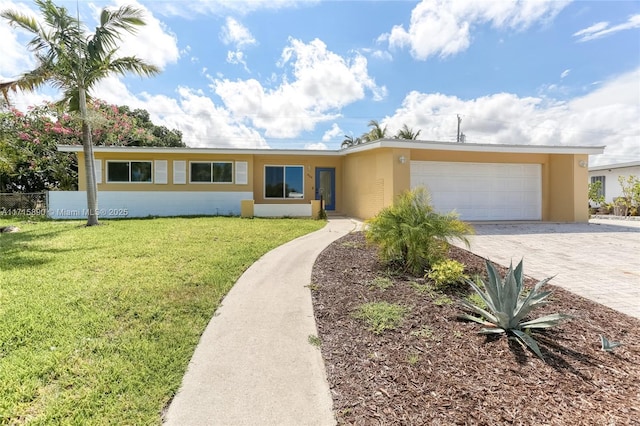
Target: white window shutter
(242, 175)
(160, 169)
(97, 165)
(179, 172)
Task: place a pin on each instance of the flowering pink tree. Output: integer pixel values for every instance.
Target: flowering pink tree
(30, 160)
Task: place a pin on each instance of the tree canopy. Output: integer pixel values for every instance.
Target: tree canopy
(29, 160)
(378, 132)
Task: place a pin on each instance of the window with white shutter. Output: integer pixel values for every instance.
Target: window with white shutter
(242, 173)
(179, 172)
(97, 165)
(160, 175)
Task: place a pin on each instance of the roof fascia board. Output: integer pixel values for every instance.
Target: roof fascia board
(615, 166)
(163, 150)
(382, 143)
(454, 146)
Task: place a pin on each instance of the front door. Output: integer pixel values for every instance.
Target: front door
(326, 186)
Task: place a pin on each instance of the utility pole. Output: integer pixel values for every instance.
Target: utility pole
(459, 121)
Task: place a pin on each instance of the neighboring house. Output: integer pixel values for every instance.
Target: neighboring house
(608, 175)
(480, 181)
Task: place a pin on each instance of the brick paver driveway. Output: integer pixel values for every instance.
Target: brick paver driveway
(599, 260)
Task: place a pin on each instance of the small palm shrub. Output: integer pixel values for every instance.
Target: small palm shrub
(447, 272)
(411, 233)
(507, 306)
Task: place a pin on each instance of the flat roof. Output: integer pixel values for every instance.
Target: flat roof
(476, 147)
(615, 166)
(187, 150)
(381, 143)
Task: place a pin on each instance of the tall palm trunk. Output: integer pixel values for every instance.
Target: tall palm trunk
(89, 164)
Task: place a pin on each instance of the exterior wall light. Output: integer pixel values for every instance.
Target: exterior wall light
(402, 159)
(582, 163)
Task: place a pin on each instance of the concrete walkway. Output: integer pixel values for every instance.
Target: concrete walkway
(254, 364)
(599, 260)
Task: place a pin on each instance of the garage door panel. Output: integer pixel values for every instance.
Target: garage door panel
(482, 191)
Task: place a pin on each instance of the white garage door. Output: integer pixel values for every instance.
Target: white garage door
(482, 191)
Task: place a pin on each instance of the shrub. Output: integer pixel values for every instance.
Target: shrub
(446, 272)
(630, 200)
(507, 306)
(412, 233)
(595, 193)
(381, 283)
(381, 316)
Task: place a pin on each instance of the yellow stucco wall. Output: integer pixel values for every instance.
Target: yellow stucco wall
(374, 178)
(309, 163)
(369, 180)
(254, 184)
(568, 188)
(169, 186)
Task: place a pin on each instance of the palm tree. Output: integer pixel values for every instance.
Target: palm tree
(375, 133)
(350, 141)
(407, 133)
(73, 60)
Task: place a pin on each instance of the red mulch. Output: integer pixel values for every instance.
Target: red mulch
(445, 373)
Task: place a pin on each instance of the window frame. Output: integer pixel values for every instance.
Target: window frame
(129, 162)
(602, 180)
(211, 163)
(284, 167)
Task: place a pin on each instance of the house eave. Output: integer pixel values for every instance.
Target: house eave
(472, 147)
(382, 143)
(615, 166)
(187, 150)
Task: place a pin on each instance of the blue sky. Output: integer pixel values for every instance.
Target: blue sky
(303, 74)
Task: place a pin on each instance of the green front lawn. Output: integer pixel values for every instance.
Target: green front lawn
(97, 325)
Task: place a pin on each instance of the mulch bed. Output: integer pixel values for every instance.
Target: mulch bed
(435, 369)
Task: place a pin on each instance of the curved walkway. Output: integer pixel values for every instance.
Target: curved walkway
(254, 364)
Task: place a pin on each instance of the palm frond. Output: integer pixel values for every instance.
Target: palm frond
(112, 24)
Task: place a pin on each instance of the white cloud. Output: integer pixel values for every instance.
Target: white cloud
(321, 83)
(316, 146)
(443, 27)
(237, 57)
(565, 73)
(202, 123)
(152, 42)
(609, 115)
(330, 134)
(187, 9)
(602, 29)
(595, 28)
(15, 59)
(234, 33)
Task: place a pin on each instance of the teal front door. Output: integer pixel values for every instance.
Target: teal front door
(326, 186)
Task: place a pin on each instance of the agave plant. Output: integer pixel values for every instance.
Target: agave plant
(508, 306)
(607, 345)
